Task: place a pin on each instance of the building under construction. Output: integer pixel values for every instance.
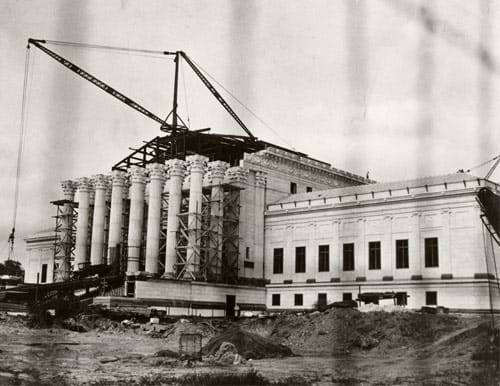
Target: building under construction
(201, 223)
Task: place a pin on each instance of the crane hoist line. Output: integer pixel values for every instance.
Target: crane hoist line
(38, 43)
(176, 126)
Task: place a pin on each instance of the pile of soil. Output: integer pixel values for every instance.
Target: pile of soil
(340, 331)
(248, 345)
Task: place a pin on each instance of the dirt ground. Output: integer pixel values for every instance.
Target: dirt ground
(343, 347)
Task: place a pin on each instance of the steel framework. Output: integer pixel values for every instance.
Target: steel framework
(65, 232)
(215, 240)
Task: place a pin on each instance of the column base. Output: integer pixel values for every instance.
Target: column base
(168, 275)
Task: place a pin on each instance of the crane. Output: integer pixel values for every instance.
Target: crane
(176, 126)
(491, 169)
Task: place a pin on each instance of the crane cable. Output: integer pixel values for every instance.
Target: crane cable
(243, 105)
(481, 164)
(20, 150)
(110, 48)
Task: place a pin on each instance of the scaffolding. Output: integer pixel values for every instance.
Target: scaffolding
(163, 233)
(214, 240)
(65, 232)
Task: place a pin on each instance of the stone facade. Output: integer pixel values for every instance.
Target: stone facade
(423, 238)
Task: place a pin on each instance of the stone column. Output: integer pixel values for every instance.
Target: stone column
(238, 177)
(176, 169)
(68, 188)
(157, 178)
(260, 203)
(196, 165)
(116, 215)
(217, 170)
(136, 217)
(101, 183)
(84, 187)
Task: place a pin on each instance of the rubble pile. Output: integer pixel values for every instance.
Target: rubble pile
(247, 344)
(346, 330)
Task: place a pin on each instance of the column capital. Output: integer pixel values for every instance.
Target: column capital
(120, 178)
(237, 174)
(217, 170)
(101, 181)
(68, 187)
(196, 163)
(260, 179)
(156, 171)
(176, 167)
(84, 184)
(137, 175)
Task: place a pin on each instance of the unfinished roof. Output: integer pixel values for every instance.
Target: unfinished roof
(220, 147)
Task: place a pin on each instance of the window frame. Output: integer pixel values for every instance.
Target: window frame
(346, 296)
(298, 299)
(300, 264)
(278, 261)
(324, 261)
(431, 298)
(374, 255)
(275, 299)
(348, 261)
(402, 254)
(431, 252)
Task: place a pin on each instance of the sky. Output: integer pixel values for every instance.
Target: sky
(383, 86)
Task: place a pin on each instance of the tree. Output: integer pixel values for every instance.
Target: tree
(12, 268)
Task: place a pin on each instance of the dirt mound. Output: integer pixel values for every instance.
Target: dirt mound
(249, 345)
(347, 330)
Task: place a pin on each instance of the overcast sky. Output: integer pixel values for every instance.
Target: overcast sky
(366, 86)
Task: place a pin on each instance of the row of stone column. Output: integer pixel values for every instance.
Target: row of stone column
(182, 174)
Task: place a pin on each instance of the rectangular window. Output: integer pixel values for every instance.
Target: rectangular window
(431, 252)
(322, 300)
(402, 254)
(401, 298)
(348, 252)
(324, 258)
(43, 279)
(293, 187)
(431, 298)
(374, 255)
(346, 296)
(247, 253)
(300, 259)
(299, 300)
(276, 299)
(278, 261)
(309, 189)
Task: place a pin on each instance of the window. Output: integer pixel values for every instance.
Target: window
(324, 258)
(431, 298)
(247, 253)
(300, 259)
(278, 261)
(401, 298)
(348, 257)
(309, 189)
(431, 252)
(346, 296)
(374, 255)
(276, 300)
(293, 187)
(299, 300)
(402, 254)
(322, 301)
(43, 279)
